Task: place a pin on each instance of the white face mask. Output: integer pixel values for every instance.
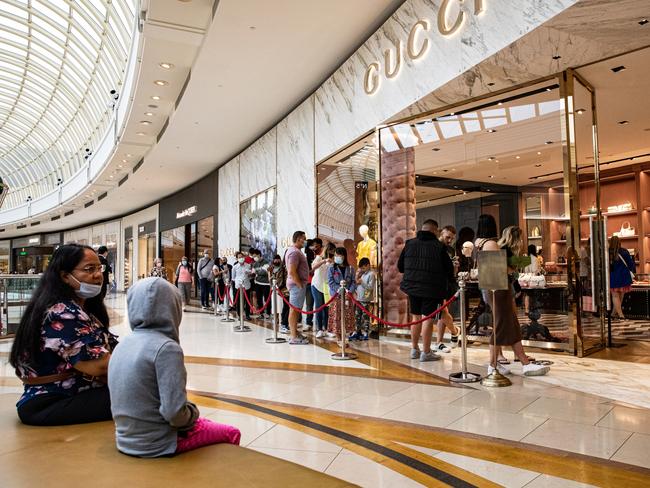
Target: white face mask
(338, 259)
(241, 260)
(87, 290)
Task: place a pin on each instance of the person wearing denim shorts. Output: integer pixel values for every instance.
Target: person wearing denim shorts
(297, 282)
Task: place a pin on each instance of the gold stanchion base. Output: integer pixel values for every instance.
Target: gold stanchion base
(495, 380)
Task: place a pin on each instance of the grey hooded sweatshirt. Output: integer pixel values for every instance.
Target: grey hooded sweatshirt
(146, 374)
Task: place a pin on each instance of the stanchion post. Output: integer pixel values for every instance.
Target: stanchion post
(215, 301)
(274, 310)
(464, 376)
(241, 327)
(343, 355)
(228, 318)
(495, 379)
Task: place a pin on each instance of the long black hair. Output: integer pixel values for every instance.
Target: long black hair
(341, 251)
(487, 227)
(51, 289)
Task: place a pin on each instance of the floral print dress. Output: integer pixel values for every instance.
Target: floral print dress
(68, 335)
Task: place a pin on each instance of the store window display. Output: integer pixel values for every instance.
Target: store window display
(367, 247)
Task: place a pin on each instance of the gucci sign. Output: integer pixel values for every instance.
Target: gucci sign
(417, 44)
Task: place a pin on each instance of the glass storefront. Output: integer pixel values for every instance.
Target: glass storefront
(32, 254)
(128, 257)
(258, 224)
(5, 252)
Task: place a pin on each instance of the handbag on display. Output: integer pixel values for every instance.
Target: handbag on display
(537, 281)
(535, 232)
(626, 229)
(593, 209)
(524, 279)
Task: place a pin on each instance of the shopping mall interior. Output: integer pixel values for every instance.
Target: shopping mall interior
(156, 140)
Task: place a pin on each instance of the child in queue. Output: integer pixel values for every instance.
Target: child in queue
(366, 280)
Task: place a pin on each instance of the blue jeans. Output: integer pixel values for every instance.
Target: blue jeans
(322, 316)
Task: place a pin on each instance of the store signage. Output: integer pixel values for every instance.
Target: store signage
(187, 212)
(141, 228)
(417, 44)
(34, 240)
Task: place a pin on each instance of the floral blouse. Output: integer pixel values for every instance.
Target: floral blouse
(68, 335)
(160, 272)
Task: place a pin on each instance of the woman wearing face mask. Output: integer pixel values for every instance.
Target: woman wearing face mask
(158, 269)
(242, 272)
(339, 271)
(62, 345)
(184, 280)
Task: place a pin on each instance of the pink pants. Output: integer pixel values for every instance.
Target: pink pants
(206, 432)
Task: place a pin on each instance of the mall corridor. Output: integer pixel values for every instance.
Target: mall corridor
(375, 243)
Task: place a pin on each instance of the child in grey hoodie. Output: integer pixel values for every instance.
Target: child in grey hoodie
(146, 379)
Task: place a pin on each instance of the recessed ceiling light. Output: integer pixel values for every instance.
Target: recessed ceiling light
(580, 111)
(145, 122)
(643, 21)
(491, 176)
(517, 157)
(155, 97)
(152, 106)
(161, 83)
(490, 84)
(557, 56)
(539, 153)
(491, 130)
(110, 176)
(491, 158)
(453, 113)
(624, 122)
(252, 27)
(436, 149)
(500, 103)
(166, 65)
(618, 69)
(548, 143)
(128, 155)
(140, 134)
(647, 129)
(148, 114)
(538, 165)
(119, 166)
(124, 161)
(548, 89)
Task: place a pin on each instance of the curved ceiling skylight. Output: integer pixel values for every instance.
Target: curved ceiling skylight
(59, 60)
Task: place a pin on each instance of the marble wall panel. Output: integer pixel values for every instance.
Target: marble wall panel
(344, 111)
(257, 166)
(228, 221)
(295, 175)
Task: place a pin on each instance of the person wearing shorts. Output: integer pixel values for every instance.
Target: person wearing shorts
(297, 281)
(427, 270)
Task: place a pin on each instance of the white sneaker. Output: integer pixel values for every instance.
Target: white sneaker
(442, 348)
(428, 356)
(501, 368)
(415, 353)
(319, 334)
(531, 369)
(454, 343)
(331, 335)
(284, 330)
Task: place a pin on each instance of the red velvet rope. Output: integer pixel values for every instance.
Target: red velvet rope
(312, 312)
(255, 311)
(393, 324)
(233, 301)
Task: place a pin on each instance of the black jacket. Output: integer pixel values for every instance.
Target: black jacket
(427, 268)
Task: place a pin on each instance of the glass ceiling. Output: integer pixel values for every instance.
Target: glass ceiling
(59, 60)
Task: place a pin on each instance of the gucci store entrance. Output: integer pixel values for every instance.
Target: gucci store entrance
(566, 161)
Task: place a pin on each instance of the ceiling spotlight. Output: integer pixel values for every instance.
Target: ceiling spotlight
(148, 114)
(517, 157)
(110, 176)
(580, 111)
(491, 176)
(128, 155)
(166, 65)
(538, 165)
(548, 89)
(155, 97)
(140, 134)
(252, 27)
(152, 106)
(557, 56)
(624, 122)
(548, 143)
(436, 149)
(491, 131)
(119, 166)
(161, 83)
(500, 103)
(145, 122)
(491, 158)
(618, 69)
(539, 153)
(490, 84)
(643, 21)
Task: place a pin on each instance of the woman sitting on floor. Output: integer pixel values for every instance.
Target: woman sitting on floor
(147, 380)
(62, 344)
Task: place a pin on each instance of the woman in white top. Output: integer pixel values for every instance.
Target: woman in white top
(319, 285)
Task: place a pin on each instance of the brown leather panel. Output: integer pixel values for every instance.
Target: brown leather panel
(85, 455)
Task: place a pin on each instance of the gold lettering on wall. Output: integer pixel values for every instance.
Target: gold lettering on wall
(371, 79)
(443, 27)
(392, 66)
(413, 52)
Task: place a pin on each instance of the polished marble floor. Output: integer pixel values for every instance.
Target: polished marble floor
(385, 420)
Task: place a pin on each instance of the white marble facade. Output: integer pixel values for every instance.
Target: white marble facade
(257, 166)
(296, 183)
(228, 221)
(340, 111)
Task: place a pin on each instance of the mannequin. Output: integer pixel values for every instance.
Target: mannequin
(367, 247)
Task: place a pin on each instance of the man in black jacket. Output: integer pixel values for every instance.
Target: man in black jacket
(102, 253)
(427, 271)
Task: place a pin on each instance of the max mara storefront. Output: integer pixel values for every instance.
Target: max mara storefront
(453, 109)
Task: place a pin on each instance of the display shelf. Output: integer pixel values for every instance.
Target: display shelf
(611, 214)
(562, 219)
(560, 242)
(534, 238)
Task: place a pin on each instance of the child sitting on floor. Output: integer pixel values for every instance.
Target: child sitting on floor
(366, 281)
(146, 380)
